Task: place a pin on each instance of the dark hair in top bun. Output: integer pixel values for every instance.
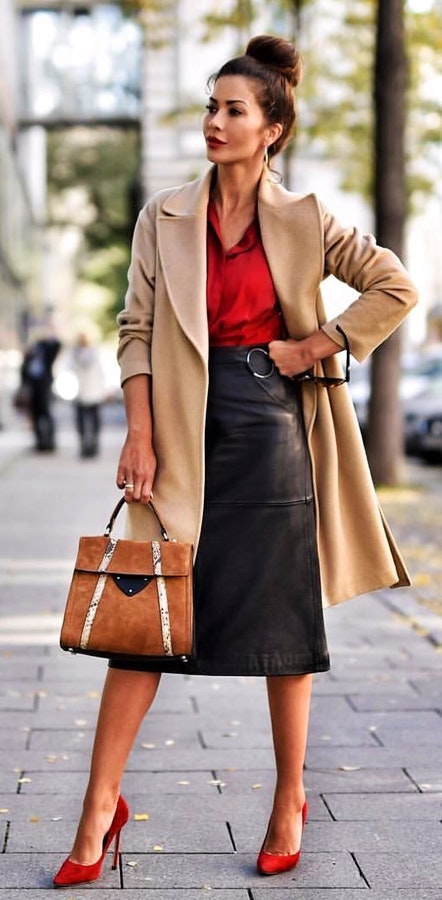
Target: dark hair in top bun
(275, 65)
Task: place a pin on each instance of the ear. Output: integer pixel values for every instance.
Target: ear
(273, 132)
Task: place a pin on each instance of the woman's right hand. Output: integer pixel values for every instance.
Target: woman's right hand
(136, 468)
(137, 464)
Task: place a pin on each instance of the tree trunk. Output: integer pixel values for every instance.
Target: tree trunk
(295, 9)
(385, 428)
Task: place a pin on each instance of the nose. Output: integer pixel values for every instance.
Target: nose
(216, 119)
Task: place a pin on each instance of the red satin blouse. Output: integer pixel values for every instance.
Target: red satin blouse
(241, 300)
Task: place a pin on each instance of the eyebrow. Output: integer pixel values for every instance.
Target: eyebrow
(229, 102)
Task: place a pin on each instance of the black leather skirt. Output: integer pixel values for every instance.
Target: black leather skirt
(258, 608)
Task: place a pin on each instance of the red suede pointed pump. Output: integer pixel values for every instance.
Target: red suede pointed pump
(74, 873)
(275, 863)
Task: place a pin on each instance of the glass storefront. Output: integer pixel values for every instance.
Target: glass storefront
(79, 64)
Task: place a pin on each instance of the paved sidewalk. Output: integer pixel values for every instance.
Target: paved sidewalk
(199, 780)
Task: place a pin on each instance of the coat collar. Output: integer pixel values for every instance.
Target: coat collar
(182, 236)
(192, 198)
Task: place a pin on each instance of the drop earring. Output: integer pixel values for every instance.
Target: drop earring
(266, 156)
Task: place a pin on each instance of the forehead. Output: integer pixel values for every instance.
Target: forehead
(235, 87)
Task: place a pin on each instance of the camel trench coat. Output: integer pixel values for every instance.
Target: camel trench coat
(164, 333)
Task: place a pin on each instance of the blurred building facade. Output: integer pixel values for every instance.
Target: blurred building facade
(20, 293)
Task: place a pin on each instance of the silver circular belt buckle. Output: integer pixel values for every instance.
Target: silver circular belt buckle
(249, 362)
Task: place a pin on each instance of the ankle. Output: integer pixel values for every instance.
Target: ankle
(289, 799)
(100, 802)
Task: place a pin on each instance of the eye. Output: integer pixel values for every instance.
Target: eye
(211, 108)
(235, 112)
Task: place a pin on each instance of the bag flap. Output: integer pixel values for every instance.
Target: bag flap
(133, 557)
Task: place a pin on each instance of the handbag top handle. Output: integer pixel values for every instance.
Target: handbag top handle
(117, 509)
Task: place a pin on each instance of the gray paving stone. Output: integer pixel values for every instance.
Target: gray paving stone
(352, 837)
(362, 780)
(85, 705)
(21, 669)
(26, 808)
(429, 780)
(13, 699)
(84, 893)
(286, 894)
(183, 783)
(403, 870)
(371, 757)
(156, 759)
(161, 757)
(387, 702)
(33, 652)
(239, 735)
(372, 687)
(177, 834)
(61, 689)
(17, 719)
(8, 782)
(52, 783)
(429, 685)
(56, 741)
(13, 738)
(13, 760)
(348, 733)
(36, 870)
(66, 720)
(74, 669)
(403, 807)
(235, 871)
(427, 724)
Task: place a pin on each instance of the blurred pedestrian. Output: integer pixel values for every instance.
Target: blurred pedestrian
(91, 391)
(36, 379)
(240, 421)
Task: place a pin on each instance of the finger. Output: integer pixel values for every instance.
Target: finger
(146, 493)
(122, 478)
(129, 491)
(127, 485)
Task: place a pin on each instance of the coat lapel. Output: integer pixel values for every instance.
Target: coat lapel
(182, 234)
(287, 228)
(290, 238)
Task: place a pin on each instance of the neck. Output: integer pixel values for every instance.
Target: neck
(236, 188)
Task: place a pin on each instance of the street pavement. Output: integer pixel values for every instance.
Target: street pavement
(199, 780)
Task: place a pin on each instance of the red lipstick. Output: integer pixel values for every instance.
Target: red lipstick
(214, 142)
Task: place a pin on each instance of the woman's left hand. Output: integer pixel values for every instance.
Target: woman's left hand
(290, 357)
(293, 357)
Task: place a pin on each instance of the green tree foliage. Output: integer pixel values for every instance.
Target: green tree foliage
(102, 163)
(337, 42)
(157, 18)
(336, 98)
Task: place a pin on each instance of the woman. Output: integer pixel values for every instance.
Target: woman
(91, 391)
(227, 361)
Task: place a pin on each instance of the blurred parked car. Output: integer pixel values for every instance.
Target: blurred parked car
(423, 422)
(420, 392)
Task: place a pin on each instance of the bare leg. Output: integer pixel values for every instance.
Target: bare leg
(289, 704)
(126, 699)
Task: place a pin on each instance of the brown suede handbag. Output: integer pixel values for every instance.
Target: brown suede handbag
(130, 598)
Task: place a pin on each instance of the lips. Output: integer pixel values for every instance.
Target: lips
(214, 142)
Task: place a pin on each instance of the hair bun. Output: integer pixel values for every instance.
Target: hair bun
(278, 54)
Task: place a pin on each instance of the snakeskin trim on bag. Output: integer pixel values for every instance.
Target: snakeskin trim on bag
(97, 595)
(162, 599)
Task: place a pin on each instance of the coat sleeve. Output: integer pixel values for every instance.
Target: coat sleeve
(386, 292)
(136, 319)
